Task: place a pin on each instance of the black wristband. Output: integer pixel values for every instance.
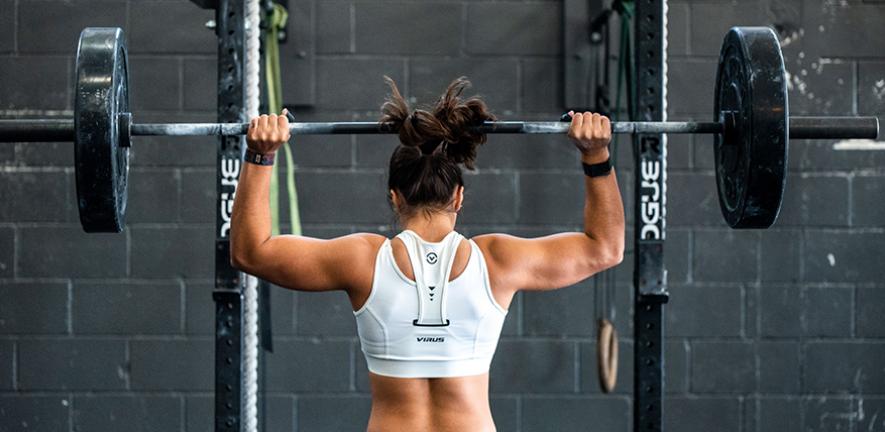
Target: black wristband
(259, 158)
(598, 169)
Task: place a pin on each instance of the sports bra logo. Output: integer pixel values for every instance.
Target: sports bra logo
(432, 258)
(431, 339)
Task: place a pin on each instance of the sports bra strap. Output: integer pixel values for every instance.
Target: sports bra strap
(432, 266)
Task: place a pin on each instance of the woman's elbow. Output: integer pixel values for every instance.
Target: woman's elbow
(241, 258)
(614, 253)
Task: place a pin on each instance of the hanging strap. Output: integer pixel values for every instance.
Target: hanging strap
(432, 266)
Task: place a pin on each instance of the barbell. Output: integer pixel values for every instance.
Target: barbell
(752, 128)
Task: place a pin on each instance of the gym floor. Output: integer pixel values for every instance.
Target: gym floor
(772, 330)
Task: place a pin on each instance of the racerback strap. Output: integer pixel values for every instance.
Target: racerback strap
(432, 266)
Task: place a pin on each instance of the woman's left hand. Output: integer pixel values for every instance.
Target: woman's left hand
(268, 132)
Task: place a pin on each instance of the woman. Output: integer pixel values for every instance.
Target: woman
(429, 304)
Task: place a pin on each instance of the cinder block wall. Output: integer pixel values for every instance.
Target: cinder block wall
(767, 331)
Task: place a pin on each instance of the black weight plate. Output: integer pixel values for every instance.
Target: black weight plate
(751, 154)
(102, 164)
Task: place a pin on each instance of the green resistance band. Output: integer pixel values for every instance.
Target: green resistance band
(276, 22)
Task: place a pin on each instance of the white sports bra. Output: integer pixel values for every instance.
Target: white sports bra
(430, 327)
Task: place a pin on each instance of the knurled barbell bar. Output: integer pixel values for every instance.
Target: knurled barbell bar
(752, 128)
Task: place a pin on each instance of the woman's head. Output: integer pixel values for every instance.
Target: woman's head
(425, 169)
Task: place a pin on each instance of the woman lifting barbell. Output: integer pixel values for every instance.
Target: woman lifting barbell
(429, 304)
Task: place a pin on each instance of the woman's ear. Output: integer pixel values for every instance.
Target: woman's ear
(394, 199)
(459, 198)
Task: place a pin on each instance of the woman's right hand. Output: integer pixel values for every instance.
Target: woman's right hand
(591, 132)
(268, 132)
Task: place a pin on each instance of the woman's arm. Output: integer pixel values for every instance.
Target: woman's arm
(295, 262)
(560, 260)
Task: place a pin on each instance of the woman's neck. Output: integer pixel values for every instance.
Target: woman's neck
(433, 228)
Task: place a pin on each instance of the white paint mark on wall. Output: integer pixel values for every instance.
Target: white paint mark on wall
(831, 259)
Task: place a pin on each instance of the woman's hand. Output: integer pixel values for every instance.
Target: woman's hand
(268, 132)
(590, 132)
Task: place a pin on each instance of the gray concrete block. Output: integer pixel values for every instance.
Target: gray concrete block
(54, 27)
(780, 311)
(874, 421)
(822, 414)
(321, 151)
(334, 197)
(819, 86)
(174, 151)
(7, 365)
(728, 256)
(678, 17)
(126, 308)
(542, 366)
(72, 364)
(50, 251)
(408, 28)
(173, 252)
(778, 367)
(575, 414)
(779, 256)
(199, 413)
(333, 413)
(37, 197)
(198, 195)
(708, 374)
(677, 256)
(35, 83)
(710, 21)
(505, 413)
(811, 200)
(827, 311)
(850, 366)
(7, 23)
(311, 365)
(513, 28)
(324, 314)
(818, 155)
(374, 151)
(870, 310)
(564, 312)
(496, 81)
(870, 88)
(779, 414)
(710, 413)
(199, 309)
(541, 85)
(33, 413)
(334, 22)
(835, 30)
(127, 413)
(155, 83)
(355, 84)
(690, 87)
(704, 311)
(843, 256)
(170, 27)
(56, 154)
(7, 153)
(183, 365)
(36, 308)
(551, 198)
(679, 151)
(283, 312)
(200, 86)
(7, 252)
(153, 195)
(489, 197)
(692, 200)
(865, 207)
(529, 152)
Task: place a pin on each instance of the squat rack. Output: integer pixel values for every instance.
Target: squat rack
(649, 277)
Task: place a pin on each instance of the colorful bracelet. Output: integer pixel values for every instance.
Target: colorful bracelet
(259, 158)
